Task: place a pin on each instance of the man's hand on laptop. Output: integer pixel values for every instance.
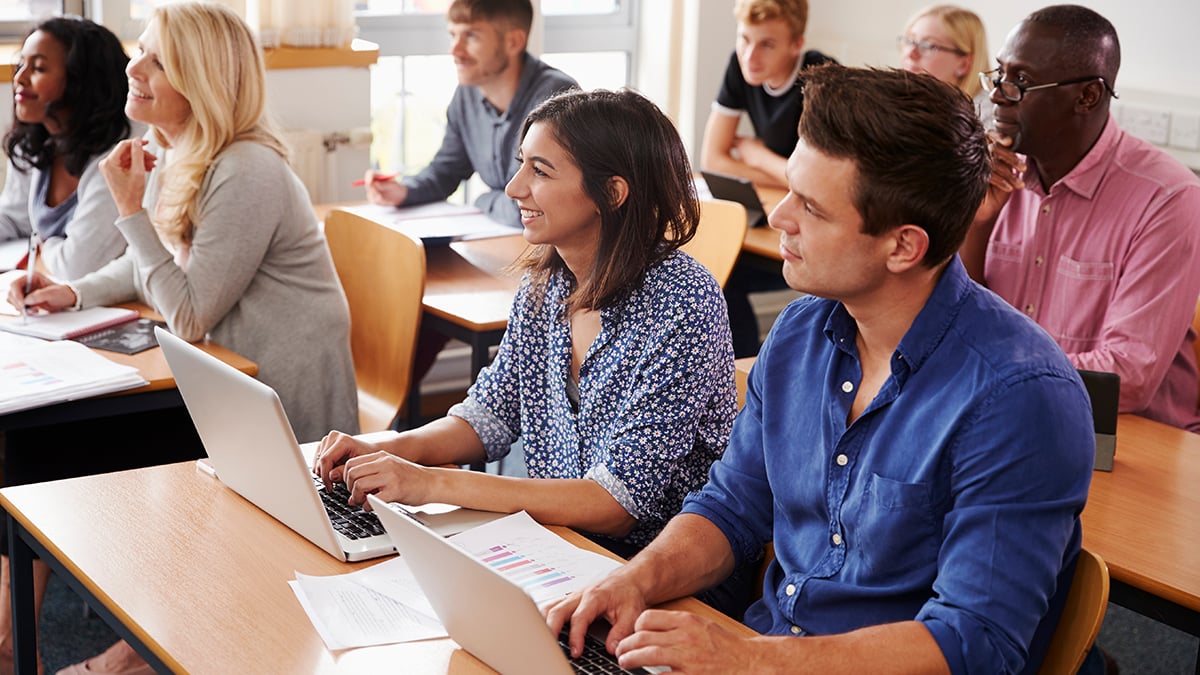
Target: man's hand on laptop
(613, 598)
(333, 452)
(642, 638)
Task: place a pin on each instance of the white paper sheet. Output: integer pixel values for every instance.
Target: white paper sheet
(544, 564)
(348, 611)
(36, 373)
(383, 603)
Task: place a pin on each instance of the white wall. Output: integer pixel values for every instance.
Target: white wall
(1160, 51)
(1158, 37)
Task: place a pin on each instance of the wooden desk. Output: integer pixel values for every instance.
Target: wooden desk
(196, 577)
(469, 292)
(159, 393)
(1141, 518)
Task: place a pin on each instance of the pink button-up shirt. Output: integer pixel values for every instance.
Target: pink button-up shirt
(1107, 262)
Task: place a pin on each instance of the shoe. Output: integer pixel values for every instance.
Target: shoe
(119, 659)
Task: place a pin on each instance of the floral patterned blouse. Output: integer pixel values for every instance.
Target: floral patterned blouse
(656, 388)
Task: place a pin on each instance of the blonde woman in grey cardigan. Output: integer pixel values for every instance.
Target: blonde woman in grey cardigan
(222, 240)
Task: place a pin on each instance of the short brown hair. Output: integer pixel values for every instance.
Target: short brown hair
(509, 13)
(916, 142)
(793, 12)
(620, 133)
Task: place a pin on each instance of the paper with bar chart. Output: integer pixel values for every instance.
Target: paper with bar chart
(543, 564)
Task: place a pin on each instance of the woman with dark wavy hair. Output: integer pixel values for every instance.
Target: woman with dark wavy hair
(616, 371)
(69, 90)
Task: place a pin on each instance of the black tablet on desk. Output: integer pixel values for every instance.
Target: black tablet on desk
(738, 190)
(1104, 389)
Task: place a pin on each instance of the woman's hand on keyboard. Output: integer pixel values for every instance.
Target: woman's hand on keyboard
(388, 477)
(333, 452)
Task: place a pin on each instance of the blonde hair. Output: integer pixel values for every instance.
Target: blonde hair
(210, 56)
(967, 34)
(793, 12)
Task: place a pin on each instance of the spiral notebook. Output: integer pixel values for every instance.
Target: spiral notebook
(67, 325)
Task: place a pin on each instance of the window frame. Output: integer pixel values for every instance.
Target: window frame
(14, 30)
(425, 34)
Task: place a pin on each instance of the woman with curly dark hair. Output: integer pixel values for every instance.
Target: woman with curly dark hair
(69, 90)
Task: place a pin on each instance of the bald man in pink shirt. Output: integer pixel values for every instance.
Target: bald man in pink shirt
(1093, 233)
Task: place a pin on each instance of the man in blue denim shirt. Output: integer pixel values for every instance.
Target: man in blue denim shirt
(918, 451)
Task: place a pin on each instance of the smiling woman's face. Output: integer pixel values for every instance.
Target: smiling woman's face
(40, 79)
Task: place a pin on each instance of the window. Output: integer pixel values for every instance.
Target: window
(17, 16)
(592, 40)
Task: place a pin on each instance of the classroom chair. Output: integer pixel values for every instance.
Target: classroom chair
(718, 240)
(1196, 344)
(1081, 617)
(383, 274)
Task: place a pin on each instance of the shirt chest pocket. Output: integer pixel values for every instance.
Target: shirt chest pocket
(1078, 302)
(897, 528)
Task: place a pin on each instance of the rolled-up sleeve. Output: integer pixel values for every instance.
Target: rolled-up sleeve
(1013, 523)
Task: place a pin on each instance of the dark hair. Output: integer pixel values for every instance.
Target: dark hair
(917, 143)
(95, 94)
(1089, 44)
(621, 133)
(513, 13)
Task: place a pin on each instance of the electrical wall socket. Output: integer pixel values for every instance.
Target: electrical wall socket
(1185, 131)
(1149, 124)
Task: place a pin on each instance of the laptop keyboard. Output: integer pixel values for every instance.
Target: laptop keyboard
(594, 659)
(350, 521)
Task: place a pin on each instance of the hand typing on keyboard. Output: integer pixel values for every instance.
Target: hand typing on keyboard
(333, 452)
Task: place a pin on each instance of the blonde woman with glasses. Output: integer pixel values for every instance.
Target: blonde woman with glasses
(949, 43)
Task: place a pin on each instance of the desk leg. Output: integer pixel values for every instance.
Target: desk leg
(480, 344)
(21, 547)
(20, 566)
(414, 404)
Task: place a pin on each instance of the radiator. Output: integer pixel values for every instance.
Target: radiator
(310, 161)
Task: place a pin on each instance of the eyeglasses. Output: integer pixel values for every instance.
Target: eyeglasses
(925, 47)
(1015, 91)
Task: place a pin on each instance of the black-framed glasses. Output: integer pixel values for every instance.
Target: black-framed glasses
(1014, 91)
(925, 47)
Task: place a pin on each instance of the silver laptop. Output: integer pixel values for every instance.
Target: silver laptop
(248, 438)
(484, 612)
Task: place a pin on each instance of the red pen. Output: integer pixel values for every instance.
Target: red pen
(379, 178)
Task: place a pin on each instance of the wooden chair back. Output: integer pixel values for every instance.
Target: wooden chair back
(383, 274)
(1196, 345)
(718, 240)
(1081, 617)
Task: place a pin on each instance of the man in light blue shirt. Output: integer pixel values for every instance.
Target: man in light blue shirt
(499, 83)
(918, 451)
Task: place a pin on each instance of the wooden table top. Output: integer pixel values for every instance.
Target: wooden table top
(200, 575)
(1140, 517)
(470, 282)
